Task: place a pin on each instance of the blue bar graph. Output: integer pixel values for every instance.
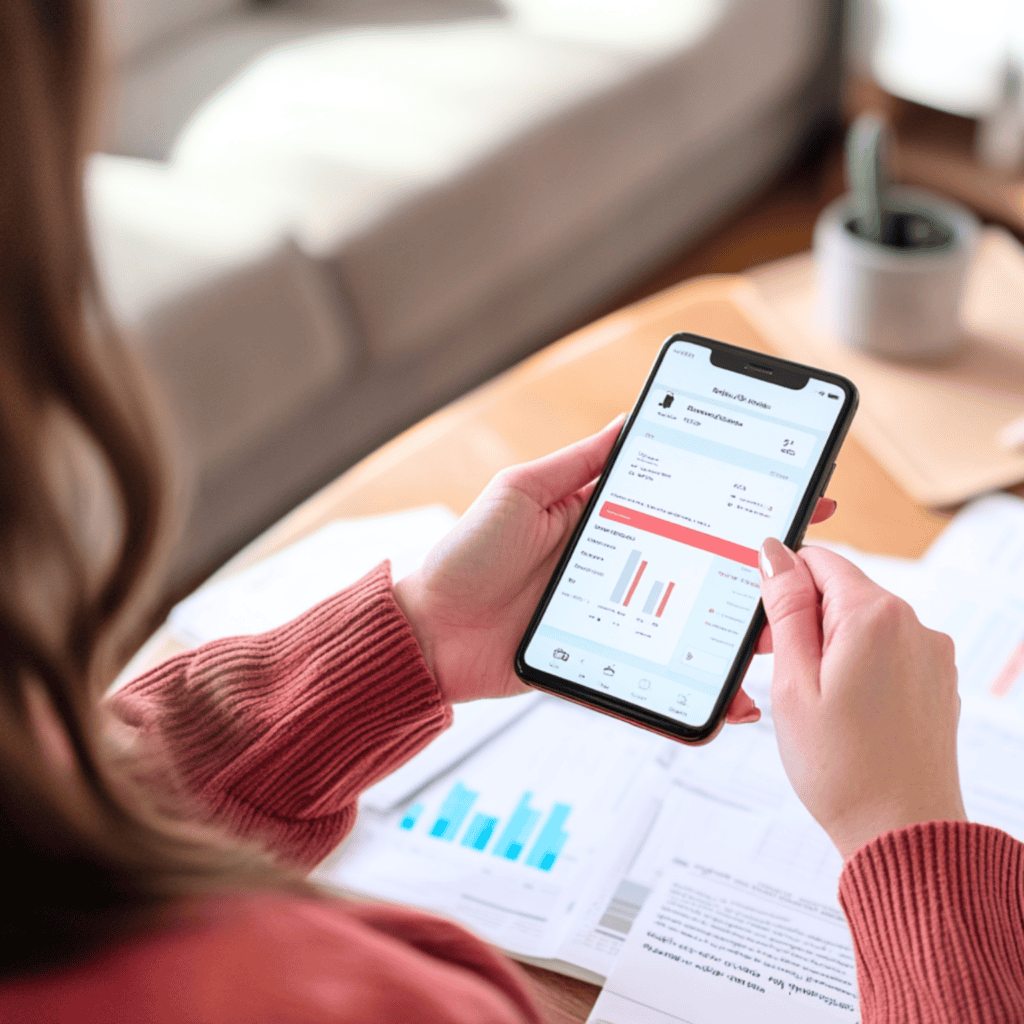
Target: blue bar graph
(479, 833)
(551, 839)
(518, 830)
(453, 812)
(411, 816)
(514, 836)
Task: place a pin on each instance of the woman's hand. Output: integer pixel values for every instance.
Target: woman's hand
(470, 603)
(864, 698)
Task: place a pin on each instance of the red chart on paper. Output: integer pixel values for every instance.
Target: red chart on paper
(673, 531)
(1009, 674)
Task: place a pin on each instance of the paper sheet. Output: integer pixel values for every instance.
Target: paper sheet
(507, 841)
(292, 581)
(741, 920)
(985, 538)
(986, 622)
(992, 774)
(975, 592)
(715, 946)
(734, 790)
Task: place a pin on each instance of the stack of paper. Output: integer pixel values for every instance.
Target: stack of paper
(691, 878)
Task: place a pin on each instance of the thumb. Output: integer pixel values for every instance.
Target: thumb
(556, 476)
(791, 603)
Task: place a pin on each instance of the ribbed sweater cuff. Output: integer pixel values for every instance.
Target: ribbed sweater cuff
(278, 733)
(936, 911)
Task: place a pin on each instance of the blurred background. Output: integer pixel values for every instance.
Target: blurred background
(319, 220)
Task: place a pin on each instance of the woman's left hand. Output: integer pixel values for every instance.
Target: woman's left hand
(470, 603)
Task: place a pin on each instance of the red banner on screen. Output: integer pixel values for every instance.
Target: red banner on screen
(683, 534)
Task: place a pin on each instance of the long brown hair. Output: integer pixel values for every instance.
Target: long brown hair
(85, 857)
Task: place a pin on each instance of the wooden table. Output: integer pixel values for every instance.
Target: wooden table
(563, 393)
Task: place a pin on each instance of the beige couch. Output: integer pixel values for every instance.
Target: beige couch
(320, 220)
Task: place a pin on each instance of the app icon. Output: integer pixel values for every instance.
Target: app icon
(560, 654)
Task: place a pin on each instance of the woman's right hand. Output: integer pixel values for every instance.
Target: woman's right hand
(864, 698)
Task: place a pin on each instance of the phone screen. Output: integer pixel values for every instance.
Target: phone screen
(660, 590)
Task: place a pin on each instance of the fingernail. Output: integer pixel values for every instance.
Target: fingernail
(774, 558)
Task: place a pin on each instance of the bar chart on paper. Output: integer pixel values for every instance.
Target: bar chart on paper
(514, 836)
(500, 841)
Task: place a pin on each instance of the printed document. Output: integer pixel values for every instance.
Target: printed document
(713, 945)
(733, 797)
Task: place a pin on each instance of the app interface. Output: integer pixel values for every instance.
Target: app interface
(661, 588)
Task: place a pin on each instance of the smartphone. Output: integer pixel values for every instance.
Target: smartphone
(654, 610)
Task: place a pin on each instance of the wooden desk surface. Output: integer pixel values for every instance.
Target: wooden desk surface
(569, 390)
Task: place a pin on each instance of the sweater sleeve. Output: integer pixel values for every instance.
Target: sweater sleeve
(277, 734)
(937, 916)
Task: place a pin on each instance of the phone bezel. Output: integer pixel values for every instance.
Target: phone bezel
(623, 709)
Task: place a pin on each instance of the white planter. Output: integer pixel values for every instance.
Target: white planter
(891, 302)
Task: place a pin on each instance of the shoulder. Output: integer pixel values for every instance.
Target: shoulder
(233, 961)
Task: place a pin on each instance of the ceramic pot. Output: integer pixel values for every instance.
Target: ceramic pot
(898, 302)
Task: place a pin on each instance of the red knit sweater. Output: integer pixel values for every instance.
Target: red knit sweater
(278, 733)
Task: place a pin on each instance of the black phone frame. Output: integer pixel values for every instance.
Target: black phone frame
(759, 366)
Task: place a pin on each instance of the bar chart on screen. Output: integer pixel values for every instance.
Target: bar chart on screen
(633, 591)
(657, 597)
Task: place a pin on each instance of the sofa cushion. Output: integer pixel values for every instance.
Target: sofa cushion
(240, 327)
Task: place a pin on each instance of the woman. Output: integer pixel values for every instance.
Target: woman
(131, 895)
